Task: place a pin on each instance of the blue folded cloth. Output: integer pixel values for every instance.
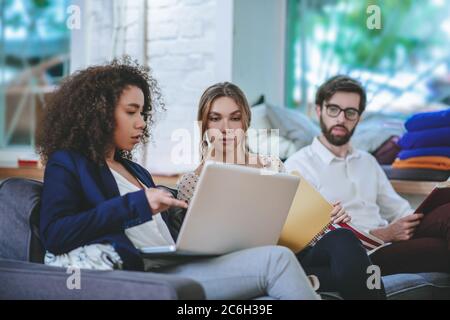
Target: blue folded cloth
(428, 120)
(436, 151)
(439, 137)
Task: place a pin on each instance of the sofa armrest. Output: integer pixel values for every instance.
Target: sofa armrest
(26, 280)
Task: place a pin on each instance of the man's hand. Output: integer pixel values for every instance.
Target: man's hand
(338, 214)
(161, 200)
(399, 230)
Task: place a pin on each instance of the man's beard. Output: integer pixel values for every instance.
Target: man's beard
(336, 140)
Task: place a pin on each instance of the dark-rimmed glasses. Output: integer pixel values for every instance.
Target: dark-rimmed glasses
(334, 111)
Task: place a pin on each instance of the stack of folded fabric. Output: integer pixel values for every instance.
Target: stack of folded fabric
(426, 144)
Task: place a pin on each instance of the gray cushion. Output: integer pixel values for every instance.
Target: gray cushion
(416, 174)
(374, 129)
(293, 125)
(25, 280)
(423, 286)
(19, 205)
(419, 286)
(262, 141)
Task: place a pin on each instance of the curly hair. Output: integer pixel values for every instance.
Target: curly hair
(79, 115)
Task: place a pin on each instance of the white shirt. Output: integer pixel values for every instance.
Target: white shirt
(357, 181)
(151, 233)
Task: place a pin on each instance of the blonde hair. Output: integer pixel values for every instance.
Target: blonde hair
(218, 90)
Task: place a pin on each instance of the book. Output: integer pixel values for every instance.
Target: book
(439, 196)
(30, 160)
(309, 219)
(369, 241)
(21, 163)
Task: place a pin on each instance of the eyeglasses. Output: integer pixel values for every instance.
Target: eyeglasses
(334, 111)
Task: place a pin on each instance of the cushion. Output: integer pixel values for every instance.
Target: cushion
(438, 137)
(24, 280)
(301, 130)
(406, 286)
(435, 151)
(259, 117)
(374, 129)
(432, 285)
(428, 120)
(388, 151)
(19, 209)
(428, 162)
(415, 174)
(293, 125)
(263, 142)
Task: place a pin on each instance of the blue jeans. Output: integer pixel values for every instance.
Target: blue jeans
(340, 262)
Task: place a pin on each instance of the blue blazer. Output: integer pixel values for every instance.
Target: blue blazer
(81, 205)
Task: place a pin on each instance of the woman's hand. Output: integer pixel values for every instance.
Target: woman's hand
(338, 214)
(160, 200)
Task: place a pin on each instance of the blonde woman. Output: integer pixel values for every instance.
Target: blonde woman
(224, 116)
(338, 259)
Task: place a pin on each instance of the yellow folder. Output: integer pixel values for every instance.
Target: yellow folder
(310, 213)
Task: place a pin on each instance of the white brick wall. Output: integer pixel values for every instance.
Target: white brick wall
(182, 53)
(188, 49)
(195, 43)
(108, 29)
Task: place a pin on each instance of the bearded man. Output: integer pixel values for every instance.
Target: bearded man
(354, 179)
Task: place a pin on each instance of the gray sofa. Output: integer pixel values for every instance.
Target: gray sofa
(23, 276)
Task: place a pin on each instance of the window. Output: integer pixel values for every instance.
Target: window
(404, 65)
(34, 42)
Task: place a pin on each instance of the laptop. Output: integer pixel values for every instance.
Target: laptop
(233, 208)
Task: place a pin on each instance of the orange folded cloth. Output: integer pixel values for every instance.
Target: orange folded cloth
(426, 162)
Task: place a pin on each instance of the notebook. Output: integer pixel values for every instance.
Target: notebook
(309, 220)
(439, 196)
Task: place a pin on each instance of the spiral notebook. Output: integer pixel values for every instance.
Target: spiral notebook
(309, 220)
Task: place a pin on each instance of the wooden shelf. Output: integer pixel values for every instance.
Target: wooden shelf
(38, 174)
(413, 187)
(31, 173)
(401, 186)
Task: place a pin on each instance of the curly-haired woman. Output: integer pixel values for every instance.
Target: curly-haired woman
(95, 198)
